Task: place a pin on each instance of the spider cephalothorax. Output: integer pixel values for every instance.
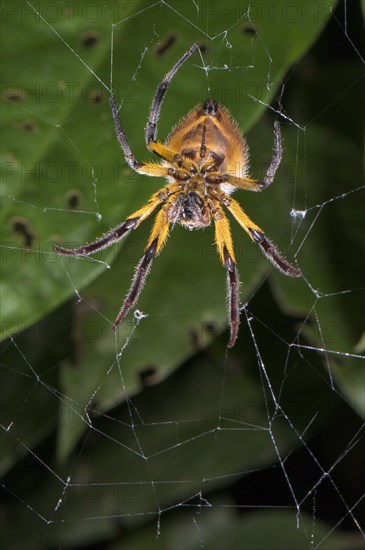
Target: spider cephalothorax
(204, 159)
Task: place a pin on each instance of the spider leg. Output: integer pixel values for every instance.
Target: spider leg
(151, 127)
(154, 246)
(122, 138)
(162, 151)
(154, 169)
(114, 235)
(248, 184)
(149, 168)
(258, 236)
(276, 159)
(225, 248)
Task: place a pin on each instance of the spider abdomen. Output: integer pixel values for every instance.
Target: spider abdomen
(209, 133)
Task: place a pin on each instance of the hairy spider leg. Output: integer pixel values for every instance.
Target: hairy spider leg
(146, 168)
(151, 128)
(276, 159)
(154, 246)
(249, 184)
(150, 169)
(224, 243)
(116, 234)
(258, 236)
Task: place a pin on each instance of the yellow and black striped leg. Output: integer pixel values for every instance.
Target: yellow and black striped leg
(155, 243)
(225, 248)
(258, 236)
(117, 233)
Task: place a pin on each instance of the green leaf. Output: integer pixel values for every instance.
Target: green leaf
(73, 176)
(63, 170)
(219, 526)
(176, 449)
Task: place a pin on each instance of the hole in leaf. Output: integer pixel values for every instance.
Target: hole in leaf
(28, 125)
(73, 199)
(14, 95)
(96, 97)
(203, 48)
(90, 39)
(166, 44)
(20, 226)
(249, 29)
(148, 376)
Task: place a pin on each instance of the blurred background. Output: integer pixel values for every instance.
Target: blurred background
(158, 436)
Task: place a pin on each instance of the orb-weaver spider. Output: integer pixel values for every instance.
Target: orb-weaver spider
(204, 159)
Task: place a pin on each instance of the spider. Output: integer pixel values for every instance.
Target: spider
(204, 159)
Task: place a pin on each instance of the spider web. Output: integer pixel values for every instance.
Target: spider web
(104, 438)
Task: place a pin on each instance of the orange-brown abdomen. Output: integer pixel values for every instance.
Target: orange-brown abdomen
(208, 132)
